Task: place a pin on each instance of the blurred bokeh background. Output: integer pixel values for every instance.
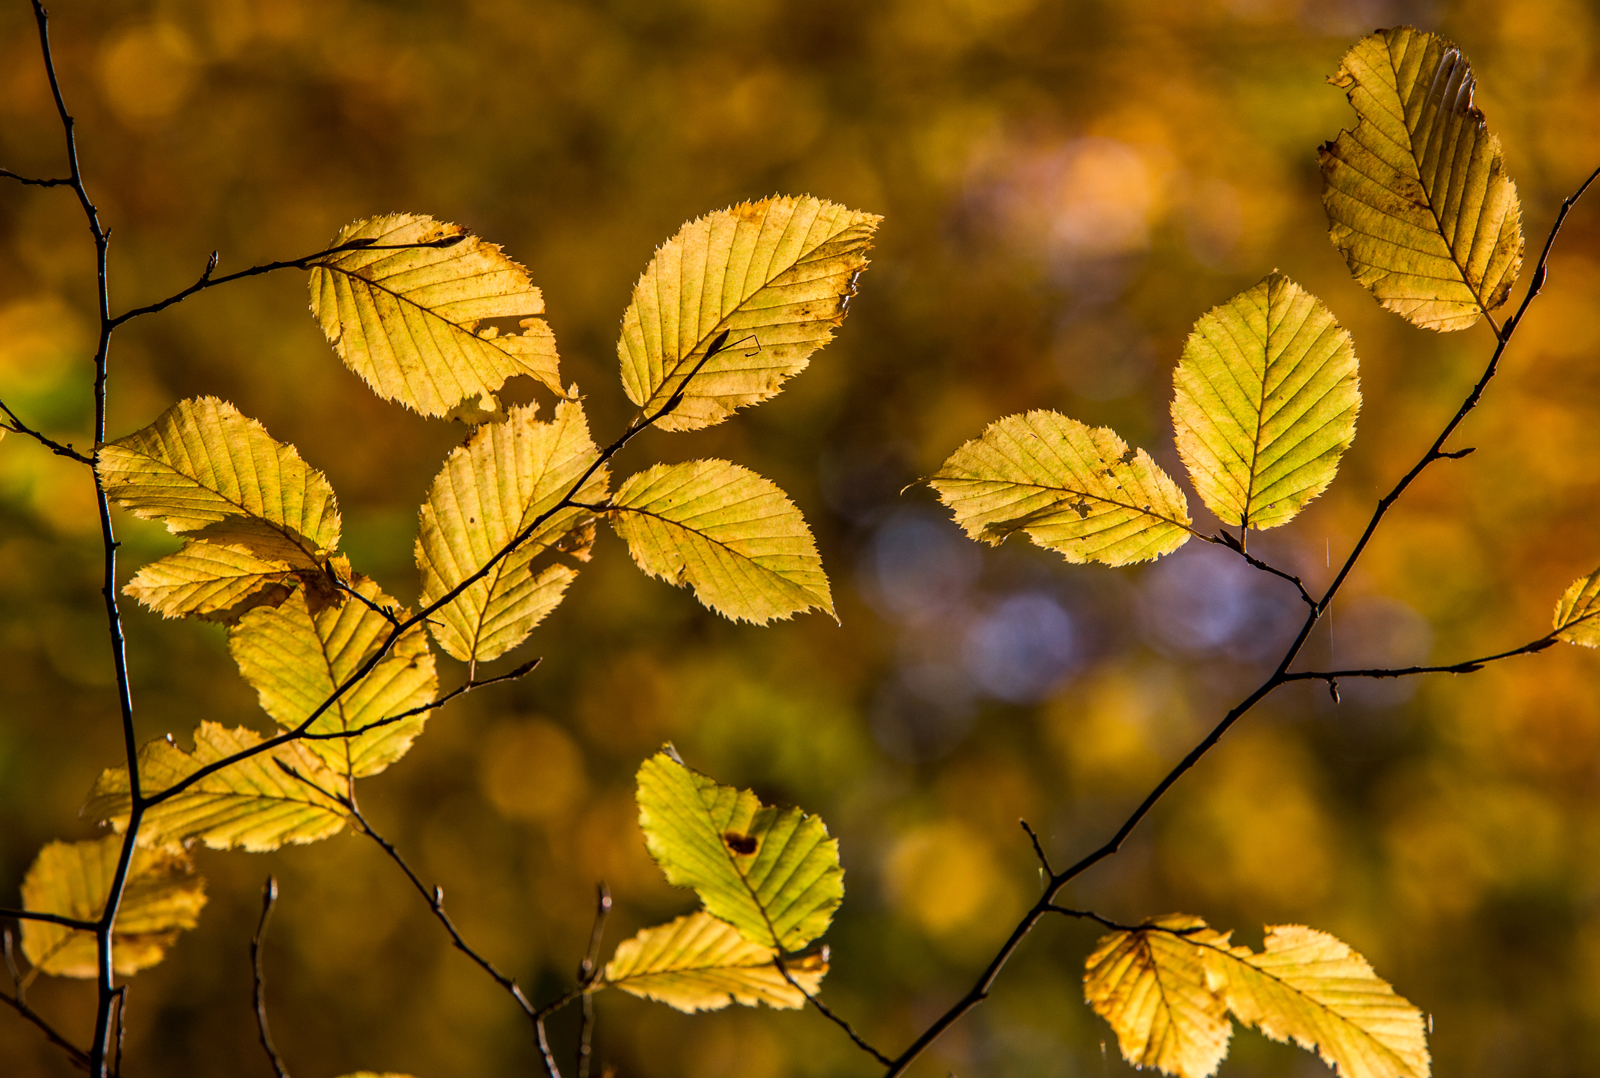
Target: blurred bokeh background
(1066, 186)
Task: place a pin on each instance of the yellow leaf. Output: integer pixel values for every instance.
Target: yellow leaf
(204, 468)
(773, 874)
(733, 536)
(161, 897)
(1265, 404)
(207, 580)
(1417, 196)
(296, 659)
(774, 275)
(1577, 619)
(1312, 989)
(499, 483)
(409, 321)
(1071, 488)
(253, 805)
(698, 963)
(1150, 984)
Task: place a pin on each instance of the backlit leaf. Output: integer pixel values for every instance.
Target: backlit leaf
(252, 805)
(1577, 619)
(1071, 488)
(296, 659)
(772, 873)
(1312, 989)
(1151, 986)
(204, 469)
(409, 321)
(1266, 402)
(731, 535)
(206, 579)
(1417, 196)
(161, 897)
(498, 484)
(698, 963)
(775, 275)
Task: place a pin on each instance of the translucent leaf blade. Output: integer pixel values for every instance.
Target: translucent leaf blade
(773, 874)
(780, 270)
(295, 659)
(490, 490)
(161, 897)
(726, 532)
(1312, 989)
(1265, 403)
(253, 805)
(408, 321)
(1577, 618)
(1151, 986)
(205, 580)
(698, 963)
(1071, 488)
(1417, 196)
(203, 468)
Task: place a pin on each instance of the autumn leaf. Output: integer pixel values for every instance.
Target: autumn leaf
(698, 963)
(409, 321)
(1151, 985)
(1265, 404)
(208, 580)
(204, 469)
(1071, 488)
(507, 476)
(772, 873)
(774, 276)
(254, 805)
(1577, 619)
(295, 659)
(160, 898)
(731, 535)
(1417, 196)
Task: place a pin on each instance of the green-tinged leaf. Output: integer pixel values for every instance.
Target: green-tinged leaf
(774, 275)
(410, 321)
(1577, 619)
(1312, 989)
(209, 580)
(772, 873)
(1417, 196)
(160, 898)
(253, 805)
(1071, 488)
(295, 659)
(205, 469)
(1265, 404)
(1151, 985)
(733, 536)
(504, 479)
(698, 963)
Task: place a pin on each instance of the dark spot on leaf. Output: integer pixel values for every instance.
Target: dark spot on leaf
(743, 845)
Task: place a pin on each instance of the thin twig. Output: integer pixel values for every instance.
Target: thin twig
(1224, 538)
(269, 896)
(587, 970)
(459, 690)
(1038, 847)
(17, 426)
(52, 918)
(1467, 666)
(19, 1003)
(122, 1027)
(8, 174)
(860, 1041)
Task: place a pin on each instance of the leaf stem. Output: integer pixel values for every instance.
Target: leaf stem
(269, 897)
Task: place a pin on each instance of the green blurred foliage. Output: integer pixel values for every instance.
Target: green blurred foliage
(1066, 187)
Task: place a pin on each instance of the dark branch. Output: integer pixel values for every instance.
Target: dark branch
(19, 1003)
(860, 1041)
(1468, 666)
(1223, 538)
(586, 975)
(1038, 848)
(1088, 915)
(459, 690)
(8, 174)
(269, 896)
(17, 426)
(52, 918)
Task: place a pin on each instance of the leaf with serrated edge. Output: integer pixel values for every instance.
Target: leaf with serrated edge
(1071, 488)
(204, 579)
(203, 468)
(1150, 984)
(731, 535)
(252, 805)
(160, 898)
(1312, 989)
(1417, 196)
(492, 488)
(408, 321)
(296, 659)
(1577, 619)
(698, 963)
(774, 275)
(772, 873)
(1265, 403)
